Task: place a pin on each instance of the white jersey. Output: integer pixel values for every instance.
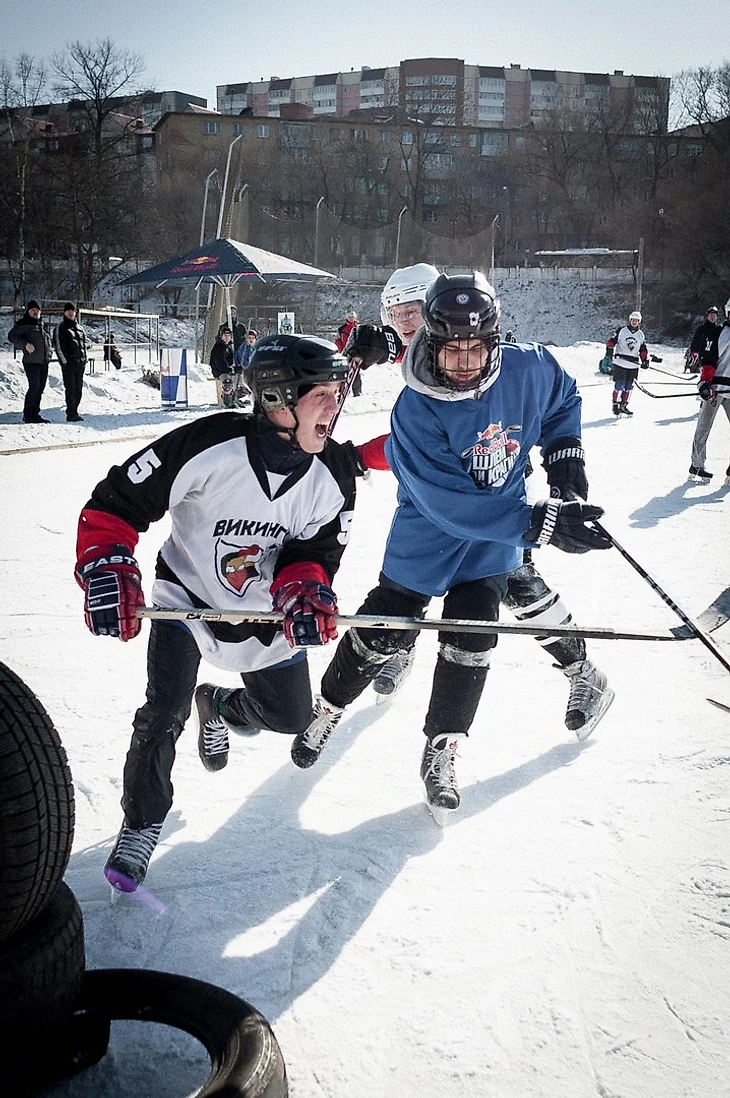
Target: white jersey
(627, 346)
(235, 524)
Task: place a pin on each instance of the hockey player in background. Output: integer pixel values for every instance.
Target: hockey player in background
(461, 433)
(714, 391)
(260, 506)
(628, 351)
(528, 596)
(703, 341)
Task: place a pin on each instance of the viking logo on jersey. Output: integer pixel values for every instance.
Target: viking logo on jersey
(493, 455)
(237, 565)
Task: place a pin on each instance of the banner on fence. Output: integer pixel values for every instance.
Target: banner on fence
(173, 377)
(286, 324)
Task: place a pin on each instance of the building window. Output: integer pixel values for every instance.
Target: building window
(211, 127)
(431, 215)
(238, 128)
(263, 130)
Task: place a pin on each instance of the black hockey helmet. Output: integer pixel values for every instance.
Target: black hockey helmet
(463, 308)
(282, 366)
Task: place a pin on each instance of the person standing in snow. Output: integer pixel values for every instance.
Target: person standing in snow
(461, 432)
(69, 340)
(260, 507)
(528, 596)
(343, 334)
(627, 350)
(222, 367)
(703, 342)
(714, 391)
(29, 336)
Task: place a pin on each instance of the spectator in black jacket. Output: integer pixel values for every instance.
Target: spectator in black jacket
(29, 336)
(69, 339)
(222, 366)
(703, 341)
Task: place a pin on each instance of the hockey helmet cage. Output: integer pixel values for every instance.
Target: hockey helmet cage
(282, 365)
(404, 285)
(463, 307)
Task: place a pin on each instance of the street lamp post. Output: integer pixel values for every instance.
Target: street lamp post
(219, 229)
(397, 238)
(495, 219)
(208, 180)
(316, 230)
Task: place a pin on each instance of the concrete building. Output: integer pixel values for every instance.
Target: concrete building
(447, 91)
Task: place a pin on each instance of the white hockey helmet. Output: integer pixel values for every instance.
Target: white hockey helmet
(404, 285)
(727, 308)
(636, 315)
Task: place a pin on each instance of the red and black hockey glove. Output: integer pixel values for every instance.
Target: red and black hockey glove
(309, 609)
(564, 526)
(373, 345)
(566, 470)
(112, 585)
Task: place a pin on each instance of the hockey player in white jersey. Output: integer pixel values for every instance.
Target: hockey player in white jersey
(627, 348)
(260, 507)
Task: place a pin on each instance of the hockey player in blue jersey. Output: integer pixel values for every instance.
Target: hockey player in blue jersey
(461, 433)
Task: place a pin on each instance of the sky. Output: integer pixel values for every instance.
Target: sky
(192, 47)
(565, 934)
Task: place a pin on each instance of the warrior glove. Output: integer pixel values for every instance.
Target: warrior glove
(373, 345)
(564, 526)
(565, 468)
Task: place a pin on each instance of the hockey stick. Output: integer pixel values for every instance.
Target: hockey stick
(662, 396)
(693, 626)
(669, 373)
(354, 370)
(446, 625)
(716, 615)
(720, 705)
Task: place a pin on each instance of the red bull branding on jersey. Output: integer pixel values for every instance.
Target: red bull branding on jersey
(493, 455)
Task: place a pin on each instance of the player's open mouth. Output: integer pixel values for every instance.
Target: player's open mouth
(320, 429)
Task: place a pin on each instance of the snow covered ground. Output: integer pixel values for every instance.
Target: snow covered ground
(568, 934)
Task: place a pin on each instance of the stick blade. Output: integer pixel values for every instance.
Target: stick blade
(716, 615)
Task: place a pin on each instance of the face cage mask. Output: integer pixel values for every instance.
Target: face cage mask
(478, 382)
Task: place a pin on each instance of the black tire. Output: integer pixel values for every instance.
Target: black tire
(246, 1061)
(36, 806)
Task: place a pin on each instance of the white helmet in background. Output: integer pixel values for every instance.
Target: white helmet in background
(404, 285)
(727, 309)
(636, 315)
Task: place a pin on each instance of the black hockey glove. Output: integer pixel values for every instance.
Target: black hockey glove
(373, 345)
(112, 586)
(354, 458)
(565, 469)
(705, 390)
(564, 526)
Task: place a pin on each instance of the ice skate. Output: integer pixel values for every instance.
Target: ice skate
(212, 729)
(624, 410)
(590, 697)
(439, 776)
(310, 744)
(127, 865)
(700, 475)
(392, 675)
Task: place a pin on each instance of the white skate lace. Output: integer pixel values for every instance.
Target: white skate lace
(215, 736)
(324, 723)
(135, 847)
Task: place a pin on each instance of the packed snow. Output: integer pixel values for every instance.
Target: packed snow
(566, 934)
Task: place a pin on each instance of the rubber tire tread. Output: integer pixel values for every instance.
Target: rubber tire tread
(37, 811)
(42, 968)
(246, 1060)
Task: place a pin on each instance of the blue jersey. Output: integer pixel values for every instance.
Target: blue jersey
(460, 463)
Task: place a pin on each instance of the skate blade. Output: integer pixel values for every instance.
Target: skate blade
(383, 699)
(440, 816)
(583, 733)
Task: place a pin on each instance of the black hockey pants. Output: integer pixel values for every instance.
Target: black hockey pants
(531, 600)
(462, 662)
(278, 698)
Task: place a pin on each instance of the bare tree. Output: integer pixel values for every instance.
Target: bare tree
(21, 86)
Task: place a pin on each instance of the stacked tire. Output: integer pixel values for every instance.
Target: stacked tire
(55, 1017)
(42, 958)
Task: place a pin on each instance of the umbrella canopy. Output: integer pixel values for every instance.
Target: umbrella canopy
(226, 262)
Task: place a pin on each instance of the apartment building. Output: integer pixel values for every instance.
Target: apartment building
(447, 91)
